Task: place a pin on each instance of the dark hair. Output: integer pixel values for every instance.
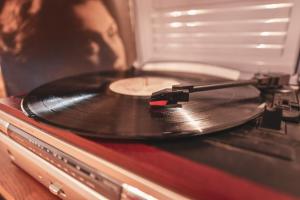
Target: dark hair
(46, 39)
(52, 32)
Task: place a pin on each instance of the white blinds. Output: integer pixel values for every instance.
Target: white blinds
(251, 36)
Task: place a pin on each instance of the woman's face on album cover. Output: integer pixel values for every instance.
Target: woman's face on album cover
(81, 31)
(95, 17)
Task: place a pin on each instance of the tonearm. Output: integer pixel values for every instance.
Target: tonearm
(181, 93)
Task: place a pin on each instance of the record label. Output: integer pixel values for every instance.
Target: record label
(141, 86)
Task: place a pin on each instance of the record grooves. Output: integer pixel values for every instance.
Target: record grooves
(115, 105)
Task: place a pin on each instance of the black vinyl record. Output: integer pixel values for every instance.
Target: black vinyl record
(115, 105)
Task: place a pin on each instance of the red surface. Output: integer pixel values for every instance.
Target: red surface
(176, 173)
(158, 103)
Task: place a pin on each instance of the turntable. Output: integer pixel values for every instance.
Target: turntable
(165, 130)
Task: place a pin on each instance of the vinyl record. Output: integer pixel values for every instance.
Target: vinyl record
(115, 105)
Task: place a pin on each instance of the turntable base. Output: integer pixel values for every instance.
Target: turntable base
(160, 166)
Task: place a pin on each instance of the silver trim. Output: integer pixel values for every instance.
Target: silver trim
(4, 126)
(57, 174)
(116, 172)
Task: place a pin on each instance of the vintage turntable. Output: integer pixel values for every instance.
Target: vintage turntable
(101, 136)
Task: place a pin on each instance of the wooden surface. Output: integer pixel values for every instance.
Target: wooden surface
(16, 184)
(2, 85)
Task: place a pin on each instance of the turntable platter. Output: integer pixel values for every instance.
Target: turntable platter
(115, 105)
